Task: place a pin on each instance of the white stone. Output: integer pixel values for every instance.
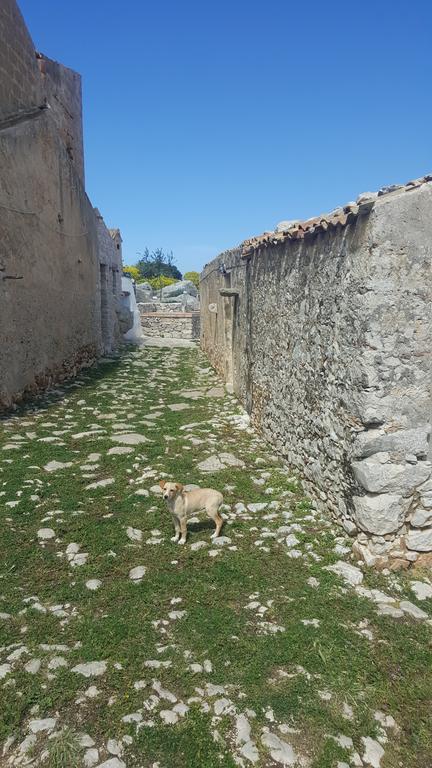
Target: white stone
(52, 466)
(280, 751)
(412, 610)
(130, 438)
(93, 584)
(137, 573)
(373, 752)
(113, 762)
(91, 668)
(258, 507)
(100, 483)
(33, 666)
(91, 757)
(46, 533)
(4, 670)
(168, 716)
(377, 475)
(134, 534)
(198, 545)
(421, 517)
(114, 747)
(119, 450)
(348, 573)
(420, 541)
(421, 590)
(380, 514)
(47, 724)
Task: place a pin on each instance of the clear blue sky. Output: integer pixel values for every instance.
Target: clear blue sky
(208, 122)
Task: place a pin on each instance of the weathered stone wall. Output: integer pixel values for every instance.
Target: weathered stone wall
(64, 95)
(110, 274)
(326, 336)
(172, 325)
(21, 88)
(50, 290)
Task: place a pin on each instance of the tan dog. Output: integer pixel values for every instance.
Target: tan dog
(182, 504)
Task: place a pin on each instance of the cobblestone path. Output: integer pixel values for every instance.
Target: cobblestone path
(268, 646)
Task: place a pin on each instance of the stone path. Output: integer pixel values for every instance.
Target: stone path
(269, 646)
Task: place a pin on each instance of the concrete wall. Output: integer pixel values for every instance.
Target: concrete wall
(50, 291)
(325, 332)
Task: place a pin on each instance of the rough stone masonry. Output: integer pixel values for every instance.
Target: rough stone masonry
(324, 330)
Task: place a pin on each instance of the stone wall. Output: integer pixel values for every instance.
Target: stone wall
(21, 88)
(50, 292)
(325, 333)
(110, 274)
(172, 325)
(64, 96)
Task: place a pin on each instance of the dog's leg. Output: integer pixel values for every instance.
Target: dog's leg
(183, 528)
(219, 523)
(176, 522)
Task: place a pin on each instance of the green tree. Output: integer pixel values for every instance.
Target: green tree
(156, 263)
(193, 277)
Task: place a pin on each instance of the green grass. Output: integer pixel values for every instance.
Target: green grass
(298, 679)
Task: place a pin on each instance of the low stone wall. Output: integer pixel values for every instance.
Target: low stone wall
(325, 333)
(172, 325)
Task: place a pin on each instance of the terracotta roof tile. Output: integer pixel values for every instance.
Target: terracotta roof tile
(340, 217)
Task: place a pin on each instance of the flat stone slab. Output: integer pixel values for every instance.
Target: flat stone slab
(349, 573)
(53, 466)
(220, 461)
(130, 438)
(119, 450)
(100, 483)
(91, 668)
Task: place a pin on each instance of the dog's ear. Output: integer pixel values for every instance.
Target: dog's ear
(162, 483)
(179, 487)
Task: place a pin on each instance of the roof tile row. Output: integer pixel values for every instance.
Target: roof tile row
(340, 217)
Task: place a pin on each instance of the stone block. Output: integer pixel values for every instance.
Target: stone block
(378, 475)
(404, 441)
(420, 540)
(381, 514)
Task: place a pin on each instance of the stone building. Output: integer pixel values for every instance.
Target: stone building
(56, 314)
(323, 329)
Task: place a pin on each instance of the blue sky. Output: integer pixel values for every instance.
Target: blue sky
(206, 123)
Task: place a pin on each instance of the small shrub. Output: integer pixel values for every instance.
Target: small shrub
(160, 282)
(193, 277)
(133, 272)
(64, 751)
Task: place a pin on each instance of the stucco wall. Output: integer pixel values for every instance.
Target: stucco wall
(20, 82)
(110, 274)
(327, 340)
(50, 314)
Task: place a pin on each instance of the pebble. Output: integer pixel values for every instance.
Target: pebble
(136, 574)
(93, 584)
(46, 533)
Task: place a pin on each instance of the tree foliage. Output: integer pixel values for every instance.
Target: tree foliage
(156, 263)
(133, 272)
(193, 277)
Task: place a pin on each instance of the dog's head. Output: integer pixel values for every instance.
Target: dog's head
(170, 490)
